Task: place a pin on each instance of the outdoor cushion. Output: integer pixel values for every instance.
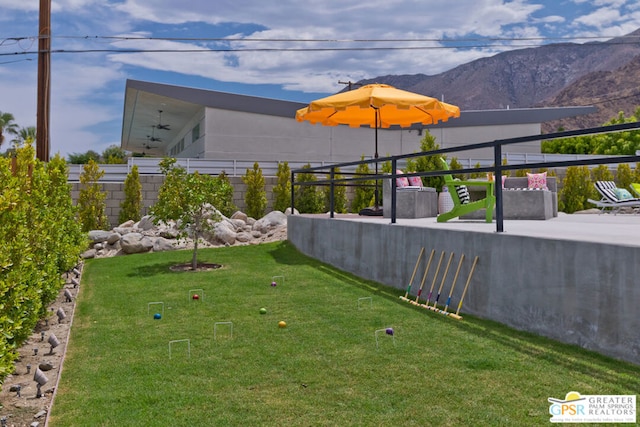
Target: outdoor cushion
(537, 181)
(622, 194)
(415, 181)
(403, 181)
(463, 194)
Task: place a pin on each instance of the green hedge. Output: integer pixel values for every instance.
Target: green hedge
(41, 239)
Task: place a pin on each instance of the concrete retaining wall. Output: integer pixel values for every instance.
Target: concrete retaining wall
(575, 292)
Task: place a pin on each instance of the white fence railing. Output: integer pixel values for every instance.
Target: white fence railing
(149, 165)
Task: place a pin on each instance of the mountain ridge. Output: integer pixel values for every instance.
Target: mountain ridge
(560, 74)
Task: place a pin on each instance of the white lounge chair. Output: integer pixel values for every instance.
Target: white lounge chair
(613, 197)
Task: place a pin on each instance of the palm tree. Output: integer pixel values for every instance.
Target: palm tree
(25, 135)
(7, 125)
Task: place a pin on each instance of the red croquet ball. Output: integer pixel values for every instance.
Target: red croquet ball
(196, 296)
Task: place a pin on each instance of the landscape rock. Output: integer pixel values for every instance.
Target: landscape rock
(45, 366)
(88, 254)
(271, 220)
(146, 223)
(161, 244)
(135, 243)
(144, 236)
(243, 237)
(98, 236)
(240, 215)
(113, 238)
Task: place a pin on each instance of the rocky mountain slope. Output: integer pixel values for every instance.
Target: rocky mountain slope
(597, 73)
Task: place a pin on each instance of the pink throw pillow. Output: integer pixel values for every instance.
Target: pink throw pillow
(537, 181)
(415, 181)
(401, 182)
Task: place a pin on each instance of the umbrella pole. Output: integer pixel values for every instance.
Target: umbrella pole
(375, 196)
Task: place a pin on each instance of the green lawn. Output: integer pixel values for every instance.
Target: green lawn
(323, 369)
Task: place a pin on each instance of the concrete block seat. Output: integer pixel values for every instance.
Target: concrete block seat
(519, 202)
(411, 202)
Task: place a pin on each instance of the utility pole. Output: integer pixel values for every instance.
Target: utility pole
(350, 84)
(44, 82)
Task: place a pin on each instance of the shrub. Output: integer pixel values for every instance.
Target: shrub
(91, 200)
(624, 175)
(256, 197)
(365, 189)
(339, 194)
(577, 188)
(131, 206)
(428, 163)
(307, 197)
(225, 195)
(282, 190)
(601, 173)
(41, 239)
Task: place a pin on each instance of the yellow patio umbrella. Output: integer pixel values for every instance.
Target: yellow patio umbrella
(377, 106)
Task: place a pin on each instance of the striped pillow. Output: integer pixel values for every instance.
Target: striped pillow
(463, 194)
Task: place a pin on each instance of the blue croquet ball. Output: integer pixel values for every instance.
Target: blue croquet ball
(389, 331)
(157, 316)
(263, 311)
(273, 283)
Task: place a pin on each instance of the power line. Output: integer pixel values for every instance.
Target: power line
(294, 49)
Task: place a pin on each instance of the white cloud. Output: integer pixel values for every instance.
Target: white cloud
(88, 88)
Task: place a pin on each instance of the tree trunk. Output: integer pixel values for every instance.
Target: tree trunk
(194, 258)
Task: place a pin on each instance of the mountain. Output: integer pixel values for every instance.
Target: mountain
(610, 91)
(562, 74)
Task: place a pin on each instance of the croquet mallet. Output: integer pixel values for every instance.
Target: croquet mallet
(415, 269)
(464, 291)
(444, 276)
(433, 283)
(453, 285)
(424, 277)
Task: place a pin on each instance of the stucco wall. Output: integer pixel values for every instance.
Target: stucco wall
(576, 292)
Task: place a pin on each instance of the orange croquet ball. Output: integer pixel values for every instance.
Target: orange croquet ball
(282, 324)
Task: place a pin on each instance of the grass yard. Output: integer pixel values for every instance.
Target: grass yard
(323, 369)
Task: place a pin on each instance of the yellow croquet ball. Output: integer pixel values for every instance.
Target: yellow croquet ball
(282, 324)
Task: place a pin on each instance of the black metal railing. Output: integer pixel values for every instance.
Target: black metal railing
(497, 168)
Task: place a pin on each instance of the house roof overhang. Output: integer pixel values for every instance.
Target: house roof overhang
(144, 101)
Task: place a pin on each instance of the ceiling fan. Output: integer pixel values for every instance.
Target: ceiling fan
(160, 125)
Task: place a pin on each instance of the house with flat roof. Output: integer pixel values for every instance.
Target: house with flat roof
(167, 120)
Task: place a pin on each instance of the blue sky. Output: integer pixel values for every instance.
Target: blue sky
(311, 46)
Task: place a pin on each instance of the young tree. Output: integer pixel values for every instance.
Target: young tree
(365, 189)
(308, 199)
(83, 158)
(429, 163)
(256, 197)
(114, 155)
(189, 199)
(91, 200)
(577, 188)
(339, 194)
(624, 176)
(282, 190)
(131, 206)
(225, 192)
(601, 173)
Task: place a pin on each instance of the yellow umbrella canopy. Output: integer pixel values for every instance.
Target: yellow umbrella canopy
(393, 107)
